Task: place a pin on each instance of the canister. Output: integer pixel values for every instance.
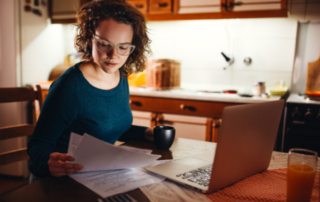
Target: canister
(259, 88)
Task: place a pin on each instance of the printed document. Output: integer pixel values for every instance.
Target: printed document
(109, 183)
(96, 155)
(109, 170)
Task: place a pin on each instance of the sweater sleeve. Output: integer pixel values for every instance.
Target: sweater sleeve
(59, 110)
(134, 133)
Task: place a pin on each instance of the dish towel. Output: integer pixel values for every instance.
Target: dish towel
(269, 186)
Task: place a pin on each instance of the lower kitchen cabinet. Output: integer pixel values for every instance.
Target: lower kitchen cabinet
(194, 119)
(186, 126)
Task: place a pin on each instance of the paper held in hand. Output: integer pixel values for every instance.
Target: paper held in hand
(96, 155)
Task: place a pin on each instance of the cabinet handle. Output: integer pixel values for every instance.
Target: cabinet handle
(231, 4)
(227, 5)
(190, 108)
(137, 103)
(164, 122)
(139, 6)
(162, 5)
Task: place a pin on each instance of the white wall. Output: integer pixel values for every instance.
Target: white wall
(198, 44)
(42, 45)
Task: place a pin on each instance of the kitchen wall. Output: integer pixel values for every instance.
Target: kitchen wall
(42, 45)
(198, 44)
(270, 43)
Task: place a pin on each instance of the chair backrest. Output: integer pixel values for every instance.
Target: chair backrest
(18, 94)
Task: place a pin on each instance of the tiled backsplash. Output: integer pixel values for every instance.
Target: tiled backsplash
(198, 44)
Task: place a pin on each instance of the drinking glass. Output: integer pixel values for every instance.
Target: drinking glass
(302, 164)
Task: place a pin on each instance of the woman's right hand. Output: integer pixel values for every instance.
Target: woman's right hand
(58, 166)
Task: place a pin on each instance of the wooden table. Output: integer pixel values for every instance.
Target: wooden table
(66, 189)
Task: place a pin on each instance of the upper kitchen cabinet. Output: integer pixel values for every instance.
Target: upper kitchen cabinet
(141, 5)
(222, 9)
(161, 10)
(62, 11)
(304, 9)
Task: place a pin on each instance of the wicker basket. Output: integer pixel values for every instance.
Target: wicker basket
(163, 74)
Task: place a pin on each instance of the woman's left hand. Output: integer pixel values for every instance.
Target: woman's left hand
(148, 134)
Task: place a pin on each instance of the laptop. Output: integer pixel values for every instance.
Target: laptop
(245, 143)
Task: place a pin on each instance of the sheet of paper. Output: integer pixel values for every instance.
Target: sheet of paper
(96, 155)
(108, 183)
(280, 160)
(74, 142)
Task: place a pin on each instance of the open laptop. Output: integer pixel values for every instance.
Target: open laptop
(244, 147)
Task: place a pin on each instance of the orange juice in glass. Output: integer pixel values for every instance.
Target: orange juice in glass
(301, 172)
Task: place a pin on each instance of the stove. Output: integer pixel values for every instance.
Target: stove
(302, 123)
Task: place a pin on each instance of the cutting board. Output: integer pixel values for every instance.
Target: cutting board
(313, 78)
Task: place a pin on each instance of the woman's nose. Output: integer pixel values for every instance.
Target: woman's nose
(113, 52)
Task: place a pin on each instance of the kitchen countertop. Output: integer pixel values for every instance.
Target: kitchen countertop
(190, 95)
(198, 95)
(296, 98)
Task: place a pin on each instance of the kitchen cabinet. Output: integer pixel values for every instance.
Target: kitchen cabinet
(190, 127)
(304, 9)
(161, 10)
(141, 5)
(223, 9)
(201, 119)
(64, 11)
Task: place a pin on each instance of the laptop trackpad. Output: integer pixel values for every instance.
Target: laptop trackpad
(171, 169)
(191, 162)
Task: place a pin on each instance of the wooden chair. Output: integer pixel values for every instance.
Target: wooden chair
(18, 94)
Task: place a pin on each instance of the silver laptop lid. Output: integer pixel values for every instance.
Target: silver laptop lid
(245, 142)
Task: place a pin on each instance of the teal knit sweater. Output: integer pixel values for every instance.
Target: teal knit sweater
(74, 105)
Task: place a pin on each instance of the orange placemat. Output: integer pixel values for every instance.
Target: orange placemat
(269, 186)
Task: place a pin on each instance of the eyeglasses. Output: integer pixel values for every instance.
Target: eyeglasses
(105, 47)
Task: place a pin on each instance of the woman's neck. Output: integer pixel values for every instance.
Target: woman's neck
(98, 78)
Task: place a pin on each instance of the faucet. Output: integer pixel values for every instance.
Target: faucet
(229, 60)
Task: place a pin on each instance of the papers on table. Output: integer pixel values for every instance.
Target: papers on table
(96, 155)
(108, 183)
(108, 169)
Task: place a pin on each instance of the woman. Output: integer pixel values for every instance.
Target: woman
(92, 96)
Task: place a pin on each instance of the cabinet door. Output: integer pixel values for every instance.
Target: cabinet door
(160, 6)
(64, 11)
(304, 9)
(200, 6)
(141, 5)
(254, 5)
(186, 126)
(313, 10)
(141, 118)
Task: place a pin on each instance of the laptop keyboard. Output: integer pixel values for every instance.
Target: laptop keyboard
(199, 176)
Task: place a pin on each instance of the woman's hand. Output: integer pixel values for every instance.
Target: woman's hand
(58, 166)
(148, 134)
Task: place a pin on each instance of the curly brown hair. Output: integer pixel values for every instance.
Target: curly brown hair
(88, 18)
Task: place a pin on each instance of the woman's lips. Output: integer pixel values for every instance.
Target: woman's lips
(110, 64)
